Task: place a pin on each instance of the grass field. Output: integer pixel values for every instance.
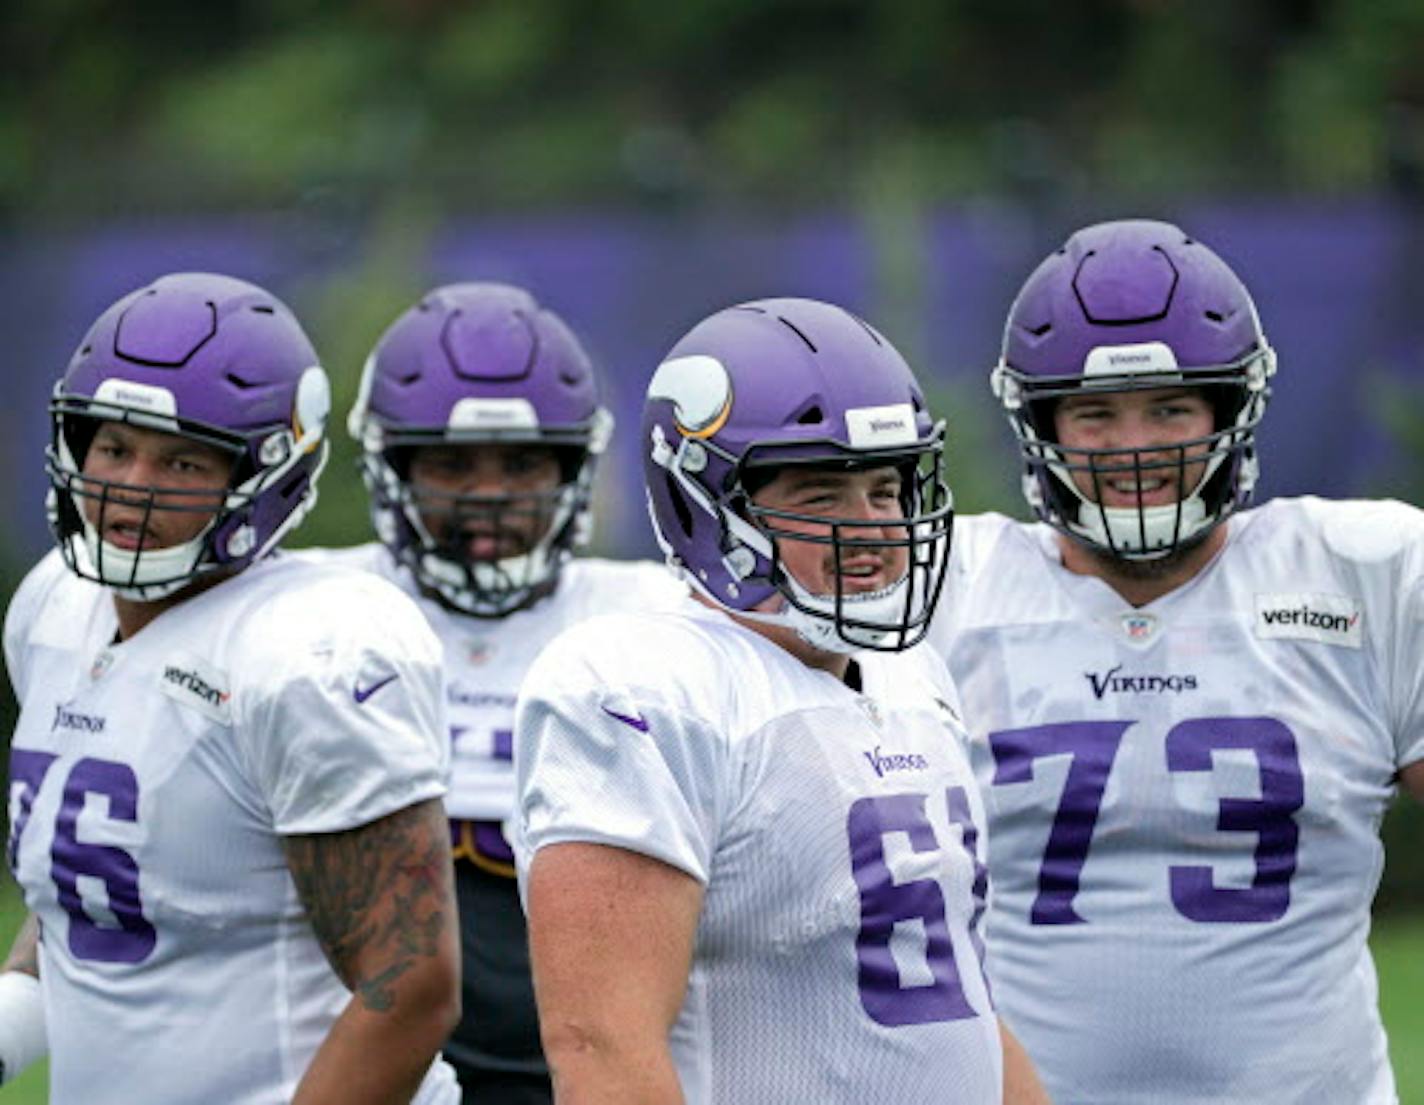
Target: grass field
(1399, 954)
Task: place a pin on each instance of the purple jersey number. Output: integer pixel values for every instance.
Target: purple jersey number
(1093, 745)
(884, 903)
(1189, 748)
(27, 771)
(71, 858)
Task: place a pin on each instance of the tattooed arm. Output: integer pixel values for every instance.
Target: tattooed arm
(381, 901)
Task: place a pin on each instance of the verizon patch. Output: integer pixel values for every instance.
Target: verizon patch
(1329, 619)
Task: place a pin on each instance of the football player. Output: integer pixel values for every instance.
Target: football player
(1187, 718)
(480, 426)
(226, 777)
(750, 847)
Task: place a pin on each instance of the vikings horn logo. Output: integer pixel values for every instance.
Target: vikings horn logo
(700, 391)
(313, 405)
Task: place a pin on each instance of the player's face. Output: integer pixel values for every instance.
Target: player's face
(870, 499)
(171, 486)
(1155, 424)
(490, 500)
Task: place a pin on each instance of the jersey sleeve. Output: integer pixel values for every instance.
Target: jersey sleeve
(656, 586)
(346, 716)
(1407, 659)
(975, 537)
(604, 758)
(25, 606)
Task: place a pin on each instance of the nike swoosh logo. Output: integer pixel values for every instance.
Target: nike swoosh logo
(360, 694)
(634, 720)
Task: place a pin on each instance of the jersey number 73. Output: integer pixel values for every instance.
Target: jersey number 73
(1093, 745)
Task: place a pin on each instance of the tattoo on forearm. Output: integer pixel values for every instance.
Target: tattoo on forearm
(376, 897)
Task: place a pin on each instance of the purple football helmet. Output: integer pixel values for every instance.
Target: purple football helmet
(479, 364)
(210, 358)
(783, 382)
(1134, 305)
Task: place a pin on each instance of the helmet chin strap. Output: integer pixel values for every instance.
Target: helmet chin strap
(813, 617)
(171, 567)
(1142, 532)
(450, 580)
(493, 597)
(1138, 531)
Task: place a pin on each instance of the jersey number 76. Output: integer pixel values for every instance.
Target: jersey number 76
(71, 858)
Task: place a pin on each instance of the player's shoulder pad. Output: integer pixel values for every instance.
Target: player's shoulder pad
(976, 536)
(370, 557)
(299, 608)
(674, 654)
(1357, 531)
(614, 585)
(31, 606)
(37, 586)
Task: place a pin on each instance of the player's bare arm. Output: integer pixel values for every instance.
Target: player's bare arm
(1412, 777)
(25, 951)
(611, 935)
(1021, 1082)
(381, 902)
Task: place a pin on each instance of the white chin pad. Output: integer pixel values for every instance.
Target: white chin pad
(144, 575)
(816, 624)
(1143, 531)
(1152, 529)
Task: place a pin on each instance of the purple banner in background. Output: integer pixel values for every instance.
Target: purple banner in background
(1337, 286)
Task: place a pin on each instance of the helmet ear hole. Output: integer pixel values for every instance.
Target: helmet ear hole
(1039, 414)
(1226, 403)
(78, 431)
(571, 461)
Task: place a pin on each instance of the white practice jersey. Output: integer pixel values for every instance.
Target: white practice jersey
(486, 658)
(836, 836)
(1185, 798)
(151, 782)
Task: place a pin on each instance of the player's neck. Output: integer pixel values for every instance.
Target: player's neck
(833, 663)
(1141, 582)
(134, 616)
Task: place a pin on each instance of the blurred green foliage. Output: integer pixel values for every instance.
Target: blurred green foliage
(175, 106)
(347, 312)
